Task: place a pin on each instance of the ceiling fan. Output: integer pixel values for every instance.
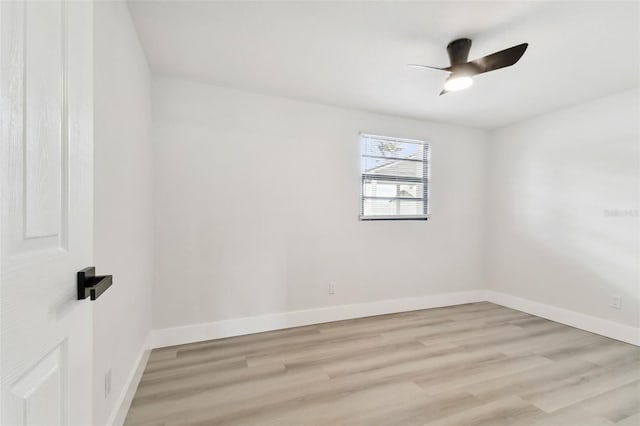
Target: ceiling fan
(462, 70)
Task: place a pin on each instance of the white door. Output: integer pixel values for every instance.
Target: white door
(46, 110)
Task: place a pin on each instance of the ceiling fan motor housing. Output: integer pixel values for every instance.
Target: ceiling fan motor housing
(458, 51)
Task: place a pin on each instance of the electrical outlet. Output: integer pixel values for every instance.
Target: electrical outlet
(332, 288)
(107, 383)
(616, 301)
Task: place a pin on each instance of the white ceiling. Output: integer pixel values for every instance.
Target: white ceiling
(354, 54)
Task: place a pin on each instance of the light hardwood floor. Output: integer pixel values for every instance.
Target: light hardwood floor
(475, 364)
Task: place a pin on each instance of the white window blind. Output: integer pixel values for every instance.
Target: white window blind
(395, 178)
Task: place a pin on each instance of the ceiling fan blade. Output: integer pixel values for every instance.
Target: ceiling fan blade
(427, 66)
(501, 59)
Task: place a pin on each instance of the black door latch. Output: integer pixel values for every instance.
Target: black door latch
(90, 285)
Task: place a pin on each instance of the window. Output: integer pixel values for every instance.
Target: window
(395, 178)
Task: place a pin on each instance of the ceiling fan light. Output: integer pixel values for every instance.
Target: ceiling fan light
(455, 83)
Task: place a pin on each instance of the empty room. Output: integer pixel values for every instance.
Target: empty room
(319, 213)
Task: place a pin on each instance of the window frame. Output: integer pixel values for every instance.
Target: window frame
(426, 171)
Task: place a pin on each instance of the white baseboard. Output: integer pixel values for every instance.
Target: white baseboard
(236, 327)
(614, 330)
(121, 407)
(240, 326)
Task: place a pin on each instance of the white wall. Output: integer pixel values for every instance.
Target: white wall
(123, 201)
(257, 202)
(563, 227)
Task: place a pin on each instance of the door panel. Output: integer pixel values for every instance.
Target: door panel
(37, 396)
(37, 110)
(44, 108)
(46, 230)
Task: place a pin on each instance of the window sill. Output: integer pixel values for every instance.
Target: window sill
(367, 218)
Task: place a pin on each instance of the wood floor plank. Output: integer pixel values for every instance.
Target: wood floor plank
(383, 398)
(576, 389)
(420, 411)
(474, 365)
(570, 416)
(501, 412)
(633, 420)
(469, 374)
(615, 405)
